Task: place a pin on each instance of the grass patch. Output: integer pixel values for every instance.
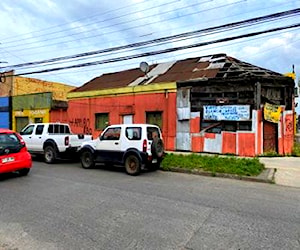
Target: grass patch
(214, 164)
(271, 154)
(296, 149)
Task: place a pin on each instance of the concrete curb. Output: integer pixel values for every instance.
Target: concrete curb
(267, 176)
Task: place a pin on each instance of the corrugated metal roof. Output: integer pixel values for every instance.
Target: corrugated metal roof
(210, 66)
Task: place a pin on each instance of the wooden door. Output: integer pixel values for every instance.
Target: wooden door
(270, 137)
(21, 122)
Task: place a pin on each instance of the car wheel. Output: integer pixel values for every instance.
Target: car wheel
(87, 159)
(132, 165)
(24, 171)
(50, 154)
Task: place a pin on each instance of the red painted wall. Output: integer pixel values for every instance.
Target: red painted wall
(286, 133)
(195, 125)
(197, 143)
(59, 116)
(81, 112)
(246, 144)
(81, 117)
(288, 138)
(229, 143)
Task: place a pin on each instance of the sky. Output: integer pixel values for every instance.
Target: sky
(32, 31)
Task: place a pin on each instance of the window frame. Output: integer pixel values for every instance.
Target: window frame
(105, 121)
(116, 134)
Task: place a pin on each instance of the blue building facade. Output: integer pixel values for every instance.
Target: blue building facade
(5, 112)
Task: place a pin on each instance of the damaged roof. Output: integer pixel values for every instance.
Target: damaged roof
(211, 66)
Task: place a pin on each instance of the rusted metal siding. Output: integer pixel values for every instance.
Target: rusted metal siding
(183, 136)
(205, 67)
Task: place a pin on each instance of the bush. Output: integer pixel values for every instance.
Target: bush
(296, 150)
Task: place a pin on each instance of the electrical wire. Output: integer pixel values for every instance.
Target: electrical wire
(156, 32)
(168, 38)
(80, 19)
(169, 50)
(106, 20)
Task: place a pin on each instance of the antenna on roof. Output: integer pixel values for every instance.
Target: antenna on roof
(144, 67)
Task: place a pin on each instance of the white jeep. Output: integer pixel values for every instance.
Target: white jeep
(135, 146)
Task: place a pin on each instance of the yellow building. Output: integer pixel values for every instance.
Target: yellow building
(32, 100)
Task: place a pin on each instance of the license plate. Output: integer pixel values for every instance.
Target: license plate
(154, 161)
(8, 159)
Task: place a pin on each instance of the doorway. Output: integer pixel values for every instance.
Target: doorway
(270, 137)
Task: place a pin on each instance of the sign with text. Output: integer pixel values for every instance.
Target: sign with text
(272, 112)
(226, 112)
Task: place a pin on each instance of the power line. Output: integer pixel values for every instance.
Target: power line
(105, 20)
(80, 19)
(158, 32)
(178, 55)
(130, 28)
(128, 50)
(192, 34)
(162, 51)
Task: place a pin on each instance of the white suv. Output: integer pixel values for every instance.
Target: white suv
(135, 146)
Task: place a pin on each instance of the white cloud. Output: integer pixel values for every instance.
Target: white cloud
(59, 28)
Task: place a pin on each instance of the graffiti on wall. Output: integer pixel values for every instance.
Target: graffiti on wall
(289, 127)
(83, 123)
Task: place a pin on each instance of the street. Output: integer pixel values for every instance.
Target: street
(62, 206)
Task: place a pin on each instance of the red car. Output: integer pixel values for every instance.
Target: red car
(14, 156)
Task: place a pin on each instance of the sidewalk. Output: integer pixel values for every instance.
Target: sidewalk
(287, 169)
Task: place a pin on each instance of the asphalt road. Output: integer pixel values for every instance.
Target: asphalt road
(63, 206)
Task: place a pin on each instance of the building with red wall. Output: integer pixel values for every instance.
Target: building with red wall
(179, 96)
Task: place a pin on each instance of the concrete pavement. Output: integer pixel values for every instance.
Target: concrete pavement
(287, 169)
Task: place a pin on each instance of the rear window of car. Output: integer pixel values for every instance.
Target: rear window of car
(7, 139)
(152, 132)
(9, 143)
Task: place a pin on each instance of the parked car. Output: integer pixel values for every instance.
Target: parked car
(52, 140)
(14, 156)
(135, 146)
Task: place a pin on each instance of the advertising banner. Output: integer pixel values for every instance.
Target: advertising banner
(226, 112)
(272, 112)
